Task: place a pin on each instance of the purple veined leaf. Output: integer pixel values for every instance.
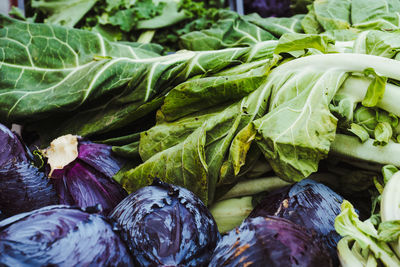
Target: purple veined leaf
(268, 8)
(166, 225)
(22, 186)
(306, 203)
(61, 236)
(85, 179)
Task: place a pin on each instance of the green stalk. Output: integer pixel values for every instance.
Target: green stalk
(254, 186)
(350, 147)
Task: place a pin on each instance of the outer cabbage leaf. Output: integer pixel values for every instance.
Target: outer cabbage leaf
(270, 241)
(61, 236)
(23, 187)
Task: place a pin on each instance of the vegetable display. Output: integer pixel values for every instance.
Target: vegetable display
(202, 136)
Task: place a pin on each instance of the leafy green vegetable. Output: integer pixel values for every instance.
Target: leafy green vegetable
(375, 90)
(277, 26)
(359, 131)
(348, 224)
(389, 231)
(63, 12)
(351, 16)
(109, 85)
(231, 30)
(163, 144)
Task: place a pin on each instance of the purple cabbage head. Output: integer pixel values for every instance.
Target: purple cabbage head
(22, 186)
(306, 203)
(268, 8)
(270, 241)
(87, 180)
(61, 236)
(167, 225)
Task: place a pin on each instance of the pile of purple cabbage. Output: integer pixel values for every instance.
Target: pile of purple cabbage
(60, 206)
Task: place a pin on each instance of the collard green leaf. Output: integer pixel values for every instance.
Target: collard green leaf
(231, 30)
(277, 26)
(379, 43)
(291, 135)
(310, 23)
(293, 42)
(379, 14)
(50, 69)
(106, 85)
(183, 165)
(333, 15)
(199, 94)
(221, 125)
(64, 12)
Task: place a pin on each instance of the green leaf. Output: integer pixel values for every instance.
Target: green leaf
(359, 131)
(333, 15)
(383, 133)
(109, 85)
(277, 26)
(231, 30)
(141, 10)
(388, 171)
(348, 224)
(199, 94)
(183, 165)
(379, 43)
(52, 69)
(64, 12)
(375, 90)
(376, 14)
(291, 134)
(292, 42)
(389, 231)
(310, 23)
(128, 151)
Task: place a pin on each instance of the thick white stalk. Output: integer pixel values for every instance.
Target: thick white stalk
(357, 87)
(346, 62)
(350, 147)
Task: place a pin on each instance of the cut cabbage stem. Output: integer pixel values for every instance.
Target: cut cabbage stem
(61, 152)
